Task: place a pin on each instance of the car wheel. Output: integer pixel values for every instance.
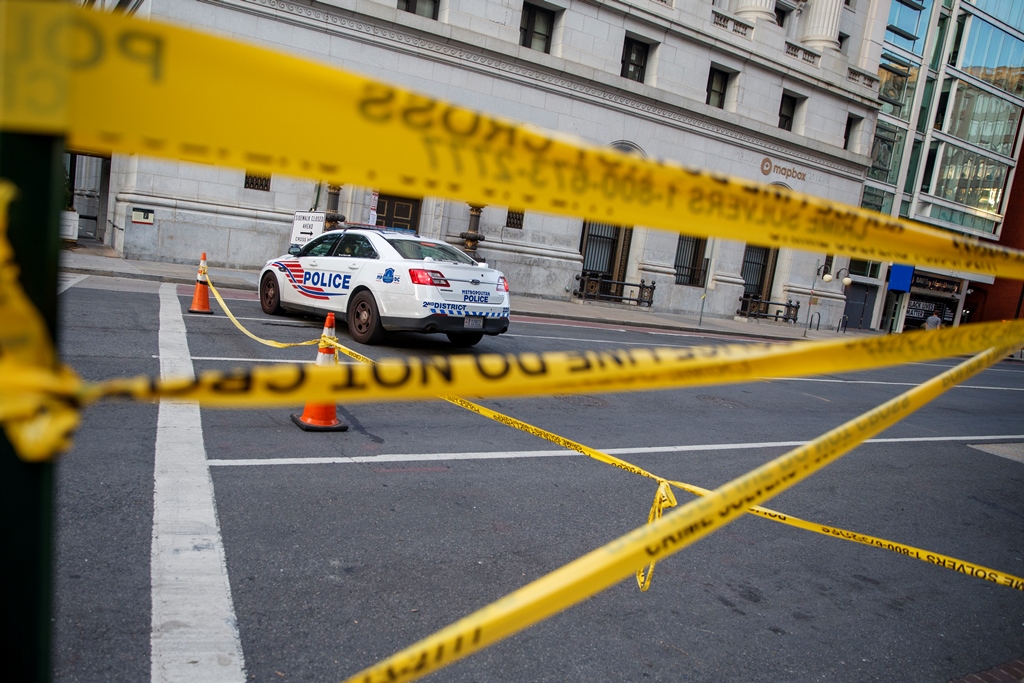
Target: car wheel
(463, 340)
(364, 320)
(270, 295)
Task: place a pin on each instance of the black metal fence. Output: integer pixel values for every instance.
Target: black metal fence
(755, 307)
(599, 287)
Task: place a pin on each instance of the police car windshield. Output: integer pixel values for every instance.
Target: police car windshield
(417, 251)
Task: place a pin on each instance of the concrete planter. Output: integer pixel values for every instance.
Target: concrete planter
(69, 226)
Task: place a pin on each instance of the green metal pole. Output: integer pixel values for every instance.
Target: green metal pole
(34, 163)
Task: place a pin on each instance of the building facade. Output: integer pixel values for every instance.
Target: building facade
(769, 90)
(945, 147)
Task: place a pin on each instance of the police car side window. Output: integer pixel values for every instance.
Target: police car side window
(363, 248)
(320, 247)
(355, 246)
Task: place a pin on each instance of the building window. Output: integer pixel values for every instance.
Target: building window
(782, 15)
(690, 262)
(424, 8)
(864, 268)
(897, 82)
(908, 21)
(984, 119)
(514, 219)
(877, 200)
(994, 56)
(634, 60)
(852, 131)
(787, 112)
(257, 181)
(718, 81)
(886, 153)
(972, 179)
(536, 27)
(844, 42)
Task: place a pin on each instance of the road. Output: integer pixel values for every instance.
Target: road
(422, 513)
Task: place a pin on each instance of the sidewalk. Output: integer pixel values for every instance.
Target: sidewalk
(91, 258)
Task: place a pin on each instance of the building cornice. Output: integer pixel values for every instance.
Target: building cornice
(508, 68)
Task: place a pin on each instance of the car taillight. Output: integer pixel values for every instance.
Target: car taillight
(428, 277)
(502, 284)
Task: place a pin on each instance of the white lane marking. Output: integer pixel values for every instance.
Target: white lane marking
(941, 365)
(1010, 451)
(194, 631)
(891, 384)
(258, 360)
(593, 341)
(64, 285)
(589, 326)
(494, 455)
(265, 360)
(278, 322)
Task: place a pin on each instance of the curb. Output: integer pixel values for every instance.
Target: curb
(655, 326)
(172, 279)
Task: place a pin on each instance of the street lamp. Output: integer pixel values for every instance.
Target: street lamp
(827, 277)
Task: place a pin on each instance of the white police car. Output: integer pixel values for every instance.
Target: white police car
(376, 279)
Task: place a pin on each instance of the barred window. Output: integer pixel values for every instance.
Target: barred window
(257, 181)
(691, 266)
(514, 219)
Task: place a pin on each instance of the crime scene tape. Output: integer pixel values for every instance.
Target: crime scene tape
(240, 326)
(600, 568)
(66, 68)
(664, 497)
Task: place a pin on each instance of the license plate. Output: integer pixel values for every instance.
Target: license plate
(473, 322)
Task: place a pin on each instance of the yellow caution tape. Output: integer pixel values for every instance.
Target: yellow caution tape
(678, 529)
(232, 318)
(37, 424)
(543, 373)
(67, 68)
(664, 497)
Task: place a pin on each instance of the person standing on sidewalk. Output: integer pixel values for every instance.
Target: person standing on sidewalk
(933, 322)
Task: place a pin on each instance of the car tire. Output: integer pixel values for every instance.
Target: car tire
(364, 319)
(270, 295)
(463, 340)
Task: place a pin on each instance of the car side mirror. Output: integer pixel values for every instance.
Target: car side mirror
(294, 249)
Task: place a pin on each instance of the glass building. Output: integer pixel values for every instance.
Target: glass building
(945, 146)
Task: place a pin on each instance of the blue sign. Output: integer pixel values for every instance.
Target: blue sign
(900, 278)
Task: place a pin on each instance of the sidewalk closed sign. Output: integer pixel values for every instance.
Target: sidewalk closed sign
(307, 225)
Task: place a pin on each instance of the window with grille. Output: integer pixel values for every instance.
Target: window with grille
(690, 262)
(514, 219)
(718, 81)
(424, 8)
(536, 27)
(257, 181)
(634, 60)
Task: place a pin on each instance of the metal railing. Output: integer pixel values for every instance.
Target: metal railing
(755, 307)
(598, 287)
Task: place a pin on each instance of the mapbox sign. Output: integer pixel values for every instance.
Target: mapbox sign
(307, 225)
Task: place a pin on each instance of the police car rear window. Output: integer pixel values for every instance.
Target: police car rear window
(417, 250)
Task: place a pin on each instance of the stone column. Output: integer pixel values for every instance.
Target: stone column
(821, 24)
(752, 10)
(473, 236)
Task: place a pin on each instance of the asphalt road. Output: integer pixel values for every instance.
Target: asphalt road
(333, 567)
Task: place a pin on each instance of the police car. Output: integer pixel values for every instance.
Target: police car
(379, 280)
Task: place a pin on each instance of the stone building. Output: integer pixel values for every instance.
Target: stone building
(778, 91)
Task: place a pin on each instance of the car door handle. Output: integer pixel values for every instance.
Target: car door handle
(313, 263)
(354, 266)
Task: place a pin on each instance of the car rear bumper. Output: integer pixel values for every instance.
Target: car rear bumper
(445, 323)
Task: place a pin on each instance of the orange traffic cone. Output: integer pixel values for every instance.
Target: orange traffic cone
(322, 417)
(201, 297)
